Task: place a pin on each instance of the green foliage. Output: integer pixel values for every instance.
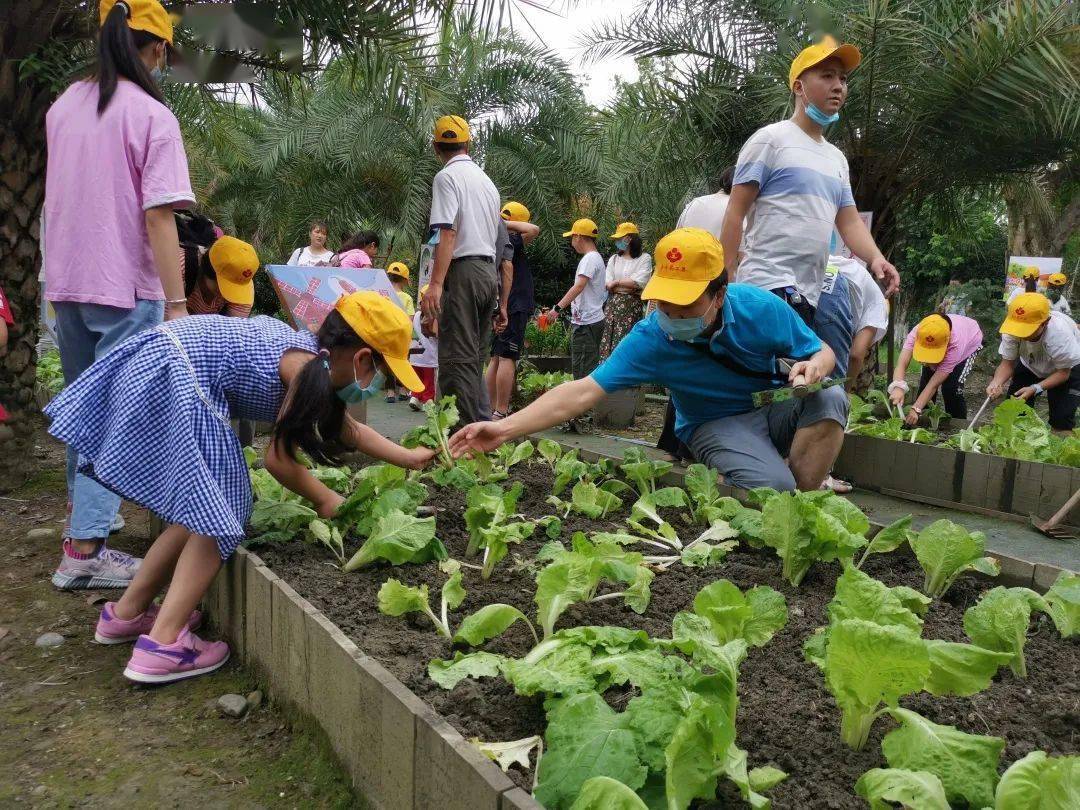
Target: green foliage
(605, 793)
(1063, 603)
(755, 617)
(50, 376)
(488, 622)
(999, 621)
(1039, 782)
(1016, 431)
(398, 538)
(551, 342)
(915, 790)
(945, 550)
(806, 527)
(397, 599)
(440, 417)
(535, 384)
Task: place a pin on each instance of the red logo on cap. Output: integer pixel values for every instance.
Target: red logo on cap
(929, 339)
(1019, 310)
(246, 274)
(674, 255)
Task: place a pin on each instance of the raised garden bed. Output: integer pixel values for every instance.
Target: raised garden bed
(406, 756)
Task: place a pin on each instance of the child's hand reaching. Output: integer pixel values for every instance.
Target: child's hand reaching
(419, 458)
(328, 508)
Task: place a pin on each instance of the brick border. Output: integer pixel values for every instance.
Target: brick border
(399, 753)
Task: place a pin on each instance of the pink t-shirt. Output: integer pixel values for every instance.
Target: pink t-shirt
(355, 258)
(964, 340)
(102, 174)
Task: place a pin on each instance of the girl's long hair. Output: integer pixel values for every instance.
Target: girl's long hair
(313, 412)
(118, 56)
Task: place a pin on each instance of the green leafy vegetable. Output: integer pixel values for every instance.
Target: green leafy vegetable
(488, 622)
(915, 790)
(550, 452)
(755, 616)
(397, 599)
(961, 669)
(806, 527)
(399, 538)
(330, 536)
(945, 550)
(934, 413)
(1063, 603)
(1039, 782)
(859, 596)
(999, 621)
(449, 674)
(867, 664)
(966, 764)
(592, 501)
(889, 538)
(642, 471)
(440, 416)
(605, 793)
(283, 516)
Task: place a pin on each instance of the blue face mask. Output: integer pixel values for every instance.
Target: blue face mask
(354, 393)
(622, 244)
(157, 74)
(681, 328)
(820, 118)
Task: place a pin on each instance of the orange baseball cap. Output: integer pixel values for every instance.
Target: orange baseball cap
(686, 261)
(384, 327)
(1027, 313)
(932, 339)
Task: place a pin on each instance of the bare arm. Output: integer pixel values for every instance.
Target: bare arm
(558, 405)
(528, 230)
(444, 252)
(931, 388)
(860, 347)
(165, 245)
(506, 270)
(367, 440)
(573, 292)
(296, 477)
(857, 237)
(731, 234)
(896, 393)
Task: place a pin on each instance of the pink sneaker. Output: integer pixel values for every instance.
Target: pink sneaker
(187, 657)
(111, 630)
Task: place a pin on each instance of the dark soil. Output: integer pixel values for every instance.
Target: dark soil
(786, 715)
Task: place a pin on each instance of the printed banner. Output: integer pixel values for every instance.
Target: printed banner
(307, 294)
(1014, 275)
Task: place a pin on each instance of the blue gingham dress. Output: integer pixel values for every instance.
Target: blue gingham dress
(150, 419)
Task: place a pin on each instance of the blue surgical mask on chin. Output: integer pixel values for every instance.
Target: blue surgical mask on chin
(820, 118)
(681, 328)
(354, 393)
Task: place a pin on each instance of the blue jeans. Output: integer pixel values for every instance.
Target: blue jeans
(833, 323)
(85, 333)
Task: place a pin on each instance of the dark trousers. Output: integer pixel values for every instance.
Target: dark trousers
(952, 390)
(1061, 400)
(468, 301)
(585, 348)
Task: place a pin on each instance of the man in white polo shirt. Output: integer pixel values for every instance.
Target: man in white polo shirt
(464, 288)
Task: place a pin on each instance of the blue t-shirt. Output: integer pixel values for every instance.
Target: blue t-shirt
(758, 328)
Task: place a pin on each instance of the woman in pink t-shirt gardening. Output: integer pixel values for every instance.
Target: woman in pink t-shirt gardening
(946, 346)
(116, 170)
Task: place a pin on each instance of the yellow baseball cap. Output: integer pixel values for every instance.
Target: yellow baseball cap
(1031, 271)
(583, 227)
(384, 327)
(515, 212)
(398, 269)
(235, 263)
(1058, 280)
(1027, 313)
(816, 54)
(144, 15)
(452, 129)
(932, 339)
(624, 229)
(686, 261)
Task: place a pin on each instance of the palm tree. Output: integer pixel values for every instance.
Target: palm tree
(951, 94)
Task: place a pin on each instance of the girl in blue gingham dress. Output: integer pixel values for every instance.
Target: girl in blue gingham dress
(150, 421)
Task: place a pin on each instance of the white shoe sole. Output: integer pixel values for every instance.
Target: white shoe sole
(100, 639)
(172, 677)
(71, 582)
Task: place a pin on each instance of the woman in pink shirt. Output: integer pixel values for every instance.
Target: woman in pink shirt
(360, 251)
(116, 170)
(946, 346)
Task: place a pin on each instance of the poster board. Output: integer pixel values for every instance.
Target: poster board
(837, 246)
(426, 261)
(307, 294)
(1015, 271)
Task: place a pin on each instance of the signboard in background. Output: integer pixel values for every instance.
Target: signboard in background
(837, 246)
(1014, 275)
(307, 294)
(426, 263)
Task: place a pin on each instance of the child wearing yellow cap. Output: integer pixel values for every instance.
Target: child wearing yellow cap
(1040, 353)
(946, 346)
(1058, 292)
(150, 421)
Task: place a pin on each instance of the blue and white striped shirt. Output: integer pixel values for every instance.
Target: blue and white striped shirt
(803, 184)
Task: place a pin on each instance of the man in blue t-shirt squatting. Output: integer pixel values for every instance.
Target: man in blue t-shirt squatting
(699, 316)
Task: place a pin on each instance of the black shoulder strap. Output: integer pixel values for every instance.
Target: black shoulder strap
(735, 366)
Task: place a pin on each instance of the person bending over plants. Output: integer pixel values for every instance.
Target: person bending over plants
(712, 345)
(1040, 352)
(946, 346)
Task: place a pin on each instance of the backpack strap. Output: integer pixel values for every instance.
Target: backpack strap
(735, 366)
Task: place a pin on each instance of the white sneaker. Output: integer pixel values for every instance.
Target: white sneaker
(109, 569)
(118, 524)
(415, 404)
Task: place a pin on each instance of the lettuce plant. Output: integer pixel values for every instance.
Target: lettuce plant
(488, 505)
(440, 417)
(884, 788)
(490, 621)
(727, 614)
(807, 527)
(889, 539)
(550, 452)
(999, 621)
(643, 472)
(945, 550)
(605, 793)
(1063, 603)
(398, 538)
(1038, 781)
(510, 454)
(397, 599)
(588, 499)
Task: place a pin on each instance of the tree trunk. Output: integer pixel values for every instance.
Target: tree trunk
(1031, 231)
(22, 190)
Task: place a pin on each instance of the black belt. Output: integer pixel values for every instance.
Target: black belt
(477, 258)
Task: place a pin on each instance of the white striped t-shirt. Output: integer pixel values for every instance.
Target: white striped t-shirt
(803, 184)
